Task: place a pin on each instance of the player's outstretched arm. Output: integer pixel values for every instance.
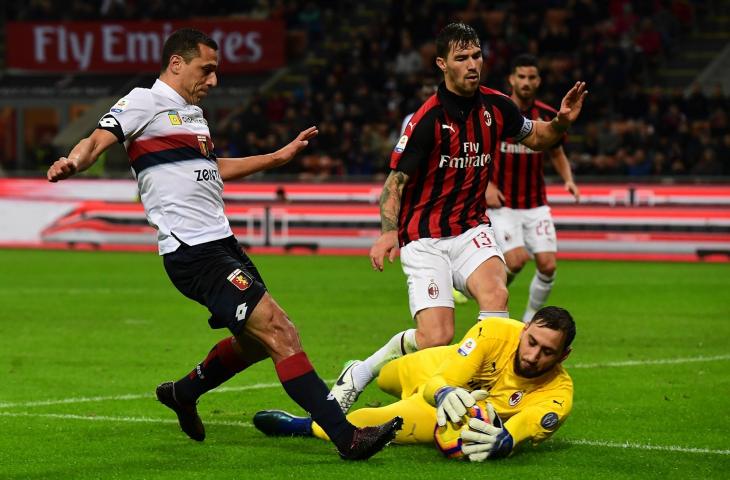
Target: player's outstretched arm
(233, 168)
(546, 134)
(82, 156)
(390, 200)
(562, 166)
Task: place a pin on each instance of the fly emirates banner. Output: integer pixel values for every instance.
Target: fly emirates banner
(132, 47)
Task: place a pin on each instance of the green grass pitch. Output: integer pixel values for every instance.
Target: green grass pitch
(85, 337)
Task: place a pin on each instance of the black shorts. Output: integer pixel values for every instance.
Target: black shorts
(219, 275)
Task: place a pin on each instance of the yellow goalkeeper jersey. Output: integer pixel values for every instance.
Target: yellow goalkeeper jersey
(532, 408)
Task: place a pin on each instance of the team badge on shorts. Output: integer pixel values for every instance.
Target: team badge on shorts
(433, 290)
(515, 398)
(240, 279)
(549, 421)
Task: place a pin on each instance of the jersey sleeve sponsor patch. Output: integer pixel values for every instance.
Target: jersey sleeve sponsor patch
(111, 124)
(549, 421)
(401, 145)
(120, 106)
(467, 347)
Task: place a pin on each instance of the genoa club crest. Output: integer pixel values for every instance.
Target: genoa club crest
(240, 279)
(203, 143)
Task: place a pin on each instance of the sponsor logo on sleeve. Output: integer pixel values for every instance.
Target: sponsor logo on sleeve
(401, 145)
(549, 421)
(120, 106)
(174, 117)
(240, 279)
(467, 347)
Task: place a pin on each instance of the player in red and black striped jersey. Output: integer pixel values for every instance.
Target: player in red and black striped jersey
(433, 202)
(516, 195)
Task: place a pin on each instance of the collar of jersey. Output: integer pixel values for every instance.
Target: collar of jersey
(456, 106)
(166, 90)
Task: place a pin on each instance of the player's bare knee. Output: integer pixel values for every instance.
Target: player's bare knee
(434, 337)
(272, 327)
(548, 267)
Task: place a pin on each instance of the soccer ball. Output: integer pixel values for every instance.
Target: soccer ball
(448, 437)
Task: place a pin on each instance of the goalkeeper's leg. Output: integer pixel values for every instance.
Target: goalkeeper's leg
(418, 416)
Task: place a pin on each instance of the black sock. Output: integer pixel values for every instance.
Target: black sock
(222, 363)
(305, 387)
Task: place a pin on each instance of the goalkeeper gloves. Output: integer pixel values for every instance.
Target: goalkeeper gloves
(452, 402)
(486, 440)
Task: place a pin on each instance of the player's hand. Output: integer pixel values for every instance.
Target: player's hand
(572, 104)
(286, 153)
(61, 169)
(495, 197)
(486, 440)
(385, 245)
(451, 404)
(573, 189)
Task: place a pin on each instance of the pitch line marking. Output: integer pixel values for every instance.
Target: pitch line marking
(103, 418)
(135, 396)
(581, 442)
(659, 361)
(257, 386)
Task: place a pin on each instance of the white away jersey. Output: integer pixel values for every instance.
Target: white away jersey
(171, 155)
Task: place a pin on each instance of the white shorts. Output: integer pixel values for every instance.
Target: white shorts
(531, 228)
(436, 265)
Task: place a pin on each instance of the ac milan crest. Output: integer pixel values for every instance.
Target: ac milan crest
(433, 290)
(515, 398)
(487, 118)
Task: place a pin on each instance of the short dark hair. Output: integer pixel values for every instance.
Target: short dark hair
(524, 60)
(184, 42)
(459, 35)
(556, 318)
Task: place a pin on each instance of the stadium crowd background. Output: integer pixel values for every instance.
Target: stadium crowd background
(360, 67)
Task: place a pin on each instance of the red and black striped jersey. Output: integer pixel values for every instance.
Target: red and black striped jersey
(518, 170)
(447, 150)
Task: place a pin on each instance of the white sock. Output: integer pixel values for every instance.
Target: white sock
(492, 313)
(401, 344)
(540, 289)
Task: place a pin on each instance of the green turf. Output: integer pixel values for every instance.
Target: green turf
(83, 324)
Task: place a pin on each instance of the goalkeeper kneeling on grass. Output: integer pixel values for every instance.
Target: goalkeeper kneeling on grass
(515, 366)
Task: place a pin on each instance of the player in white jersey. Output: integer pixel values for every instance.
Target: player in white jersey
(181, 181)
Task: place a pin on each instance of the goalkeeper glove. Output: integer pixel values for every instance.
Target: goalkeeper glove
(484, 440)
(452, 402)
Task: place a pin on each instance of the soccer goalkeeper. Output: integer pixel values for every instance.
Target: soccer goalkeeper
(518, 365)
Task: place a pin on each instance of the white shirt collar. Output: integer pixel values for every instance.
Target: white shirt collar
(164, 89)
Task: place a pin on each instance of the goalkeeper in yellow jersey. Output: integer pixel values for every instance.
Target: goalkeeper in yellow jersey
(518, 366)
